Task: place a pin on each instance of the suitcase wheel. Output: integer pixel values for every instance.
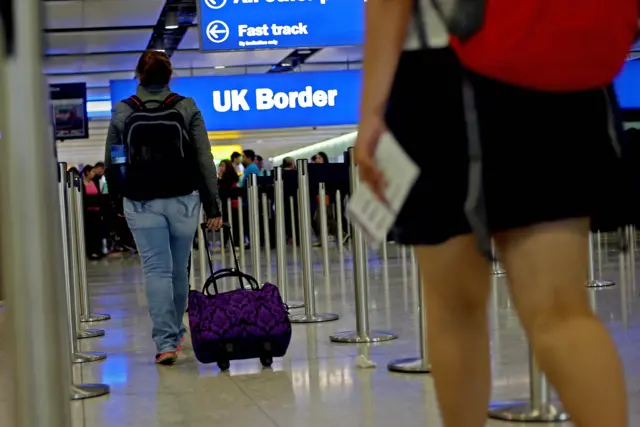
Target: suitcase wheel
(224, 365)
(266, 361)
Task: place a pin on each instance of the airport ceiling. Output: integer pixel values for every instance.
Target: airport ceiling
(100, 40)
(95, 41)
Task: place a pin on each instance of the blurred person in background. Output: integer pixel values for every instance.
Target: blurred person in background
(321, 157)
(164, 186)
(288, 164)
(94, 225)
(536, 205)
(221, 168)
(227, 183)
(236, 159)
(98, 176)
(250, 167)
(260, 164)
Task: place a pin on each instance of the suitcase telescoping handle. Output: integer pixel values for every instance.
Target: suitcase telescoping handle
(227, 272)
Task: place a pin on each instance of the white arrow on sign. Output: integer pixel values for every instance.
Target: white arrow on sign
(217, 31)
(215, 4)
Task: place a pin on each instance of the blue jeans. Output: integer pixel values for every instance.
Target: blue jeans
(163, 230)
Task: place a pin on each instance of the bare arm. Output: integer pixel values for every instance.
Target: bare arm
(209, 181)
(386, 31)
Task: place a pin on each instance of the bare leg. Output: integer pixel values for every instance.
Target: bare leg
(547, 270)
(456, 281)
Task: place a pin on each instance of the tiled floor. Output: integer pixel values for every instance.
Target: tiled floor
(318, 383)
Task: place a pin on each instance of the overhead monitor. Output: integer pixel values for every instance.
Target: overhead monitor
(279, 24)
(69, 109)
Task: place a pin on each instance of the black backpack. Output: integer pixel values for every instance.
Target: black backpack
(161, 160)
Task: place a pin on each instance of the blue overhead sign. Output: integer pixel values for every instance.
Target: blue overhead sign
(276, 24)
(267, 101)
(627, 86)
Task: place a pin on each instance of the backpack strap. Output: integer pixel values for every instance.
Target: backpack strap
(419, 24)
(134, 103)
(172, 100)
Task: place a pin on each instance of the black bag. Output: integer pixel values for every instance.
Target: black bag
(161, 160)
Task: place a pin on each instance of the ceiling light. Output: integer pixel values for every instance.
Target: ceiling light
(158, 45)
(171, 20)
(286, 64)
(219, 67)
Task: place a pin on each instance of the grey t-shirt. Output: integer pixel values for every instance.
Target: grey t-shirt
(437, 36)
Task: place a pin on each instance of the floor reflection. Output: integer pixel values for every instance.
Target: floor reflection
(318, 383)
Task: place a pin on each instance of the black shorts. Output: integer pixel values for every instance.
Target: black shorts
(545, 156)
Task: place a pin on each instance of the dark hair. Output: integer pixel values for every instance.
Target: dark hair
(235, 155)
(154, 68)
(229, 176)
(86, 170)
(74, 170)
(99, 165)
(287, 162)
(259, 158)
(249, 154)
(324, 156)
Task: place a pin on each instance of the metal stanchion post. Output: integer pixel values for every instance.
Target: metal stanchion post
(254, 224)
(266, 209)
(631, 230)
(203, 246)
(243, 258)
(229, 238)
(340, 232)
(324, 231)
(416, 365)
(281, 240)
(223, 244)
(385, 262)
(310, 315)
(593, 282)
(363, 333)
(72, 201)
(599, 244)
(496, 268)
(85, 313)
(294, 239)
(539, 407)
(76, 355)
(192, 271)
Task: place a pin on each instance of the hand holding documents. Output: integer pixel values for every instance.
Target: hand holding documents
(372, 215)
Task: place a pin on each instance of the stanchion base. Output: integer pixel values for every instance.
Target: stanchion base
(88, 356)
(295, 304)
(352, 337)
(88, 391)
(95, 318)
(412, 365)
(318, 318)
(90, 333)
(525, 412)
(600, 284)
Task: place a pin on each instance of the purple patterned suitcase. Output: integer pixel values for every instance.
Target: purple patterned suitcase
(244, 323)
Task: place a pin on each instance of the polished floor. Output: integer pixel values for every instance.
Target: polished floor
(318, 384)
